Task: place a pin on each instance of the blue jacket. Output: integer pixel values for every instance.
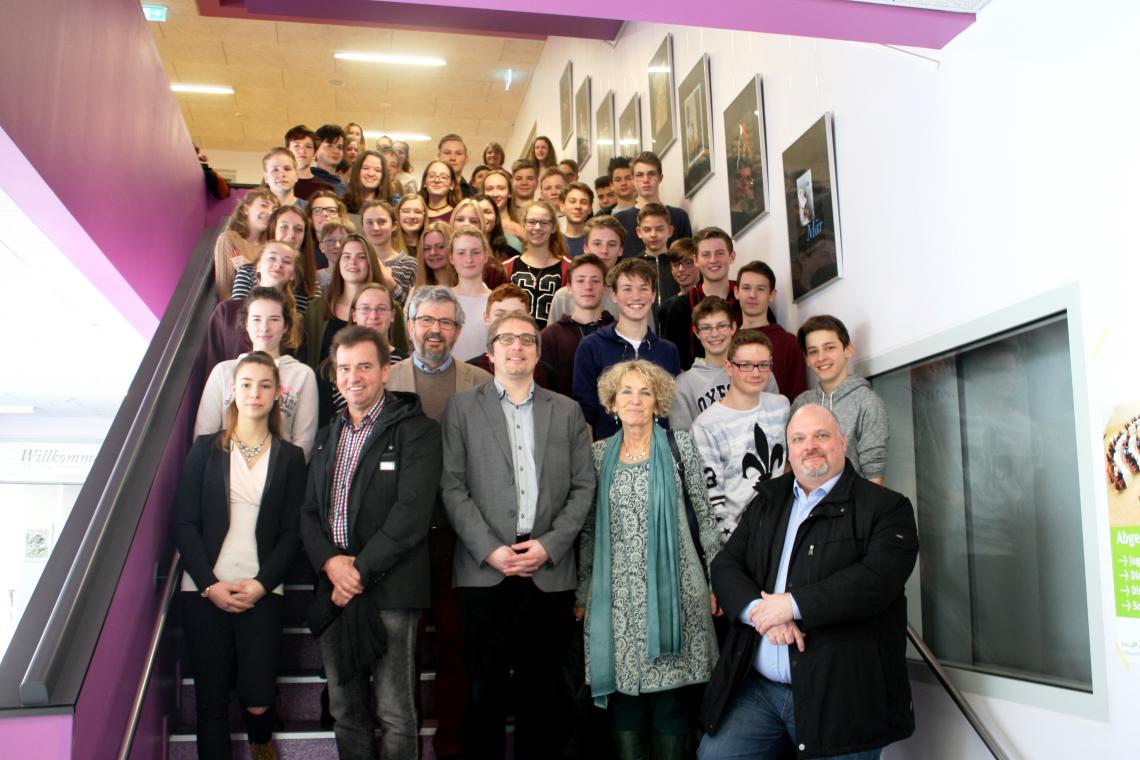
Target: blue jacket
(602, 350)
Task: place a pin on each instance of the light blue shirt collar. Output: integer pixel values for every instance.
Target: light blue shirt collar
(423, 367)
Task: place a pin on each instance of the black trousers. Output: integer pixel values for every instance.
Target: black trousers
(223, 646)
(515, 629)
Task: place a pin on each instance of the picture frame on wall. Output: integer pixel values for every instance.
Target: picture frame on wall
(629, 128)
(566, 101)
(662, 103)
(604, 136)
(529, 140)
(693, 96)
(812, 202)
(582, 112)
(746, 157)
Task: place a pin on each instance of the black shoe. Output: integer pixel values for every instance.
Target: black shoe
(327, 720)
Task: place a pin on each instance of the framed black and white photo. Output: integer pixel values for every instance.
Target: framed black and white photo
(629, 128)
(812, 202)
(696, 126)
(566, 100)
(582, 114)
(747, 176)
(605, 132)
(662, 126)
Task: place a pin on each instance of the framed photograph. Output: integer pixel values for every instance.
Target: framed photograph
(629, 128)
(37, 543)
(605, 133)
(812, 201)
(582, 113)
(696, 126)
(662, 126)
(566, 99)
(529, 140)
(744, 135)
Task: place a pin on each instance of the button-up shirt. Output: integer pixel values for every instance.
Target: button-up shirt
(772, 660)
(422, 366)
(348, 450)
(520, 431)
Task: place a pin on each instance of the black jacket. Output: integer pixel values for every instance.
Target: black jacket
(202, 510)
(850, 561)
(389, 504)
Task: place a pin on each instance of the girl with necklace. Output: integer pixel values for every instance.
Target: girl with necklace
(440, 191)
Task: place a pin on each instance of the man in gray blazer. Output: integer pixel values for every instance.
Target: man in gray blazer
(518, 484)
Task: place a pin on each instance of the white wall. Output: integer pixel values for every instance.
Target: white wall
(247, 164)
(1001, 169)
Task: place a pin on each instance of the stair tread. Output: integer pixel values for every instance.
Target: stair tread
(308, 675)
(292, 730)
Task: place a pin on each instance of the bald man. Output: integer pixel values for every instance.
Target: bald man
(813, 579)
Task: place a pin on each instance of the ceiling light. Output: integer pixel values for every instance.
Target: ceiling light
(154, 12)
(508, 84)
(398, 136)
(203, 89)
(400, 60)
(17, 409)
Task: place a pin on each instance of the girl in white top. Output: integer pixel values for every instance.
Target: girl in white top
(266, 319)
(468, 257)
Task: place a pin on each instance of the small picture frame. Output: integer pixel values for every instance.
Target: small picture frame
(529, 140)
(746, 157)
(629, 128)
(37, 543)
(812, 201)
(582, 112)
(662, 103)
(566, 100)
(605, 132)
(696, 126)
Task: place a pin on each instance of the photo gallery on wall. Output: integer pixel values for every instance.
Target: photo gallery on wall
(682, 113)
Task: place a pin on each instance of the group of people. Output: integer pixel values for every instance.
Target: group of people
(546, 415)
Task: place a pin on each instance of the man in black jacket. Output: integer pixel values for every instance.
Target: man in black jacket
(373, 480)
(813, 581)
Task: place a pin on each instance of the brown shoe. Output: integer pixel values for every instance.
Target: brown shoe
(264, 751)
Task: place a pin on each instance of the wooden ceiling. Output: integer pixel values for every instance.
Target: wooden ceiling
(284, 73)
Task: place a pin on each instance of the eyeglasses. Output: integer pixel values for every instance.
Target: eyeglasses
(718, 327)
(508, 339)
(378, 310)
(331, 243)
(540, 223)
(439, 178)
(747, 367)
(429, 322)
(325, 210)
(685, 263)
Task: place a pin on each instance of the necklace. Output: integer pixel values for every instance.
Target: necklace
(635, 456)
(437, 208)
(249, 452)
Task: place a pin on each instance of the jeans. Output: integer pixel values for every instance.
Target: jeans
(760, 723)
(393, 693)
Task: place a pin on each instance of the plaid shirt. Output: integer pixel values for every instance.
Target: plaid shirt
(348, 450)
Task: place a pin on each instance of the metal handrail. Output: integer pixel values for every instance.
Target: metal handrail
(972, 718)
(168, 590)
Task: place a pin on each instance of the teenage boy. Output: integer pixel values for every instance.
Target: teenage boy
(683, 264)
(569, 168)
(604, 238)
(634, 284)
(576, 201)
(756, 289)
(715, 255)
(621, 178)
(706, 382)
(647, 176)
(861, 413)
(607, 198)
(302, 143)
(524, 181)
(560, 339)
(453, 151)
(741, 437)
(654, 231)
(279, 170)
(550, 186)
(330, 150)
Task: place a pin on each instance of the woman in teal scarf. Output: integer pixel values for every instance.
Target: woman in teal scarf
(649, 631)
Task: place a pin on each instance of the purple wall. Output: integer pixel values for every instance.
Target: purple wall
(38, 737)
(88, 103)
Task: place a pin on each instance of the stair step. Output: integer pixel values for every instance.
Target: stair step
(299, 741)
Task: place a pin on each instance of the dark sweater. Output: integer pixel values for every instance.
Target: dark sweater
(559, 344)
(633, 246)
(677, 322)
(788, 364)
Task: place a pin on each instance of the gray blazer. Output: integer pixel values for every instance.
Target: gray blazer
(478, 480)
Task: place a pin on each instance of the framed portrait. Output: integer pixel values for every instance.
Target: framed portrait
(747, 159)
(662, 126)
(812, 202)
(629, 128)
(566, 100)
(529, 140)
(582, 113)
(696, 126)
(605, 132)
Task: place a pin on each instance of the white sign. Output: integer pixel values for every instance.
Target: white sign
(46, 462)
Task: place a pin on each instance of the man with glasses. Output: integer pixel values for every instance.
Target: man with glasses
(647, 176)
(435, 319)
(741, 437)
(518, 485)
(715, 255)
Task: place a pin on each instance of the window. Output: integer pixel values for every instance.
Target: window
(983, 440)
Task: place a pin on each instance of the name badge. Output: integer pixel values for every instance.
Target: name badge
(387, 466)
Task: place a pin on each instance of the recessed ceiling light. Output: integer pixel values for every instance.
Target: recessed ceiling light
(372, 134)
(202, 89)
(154, 12)
(399, 60)
(17, 409)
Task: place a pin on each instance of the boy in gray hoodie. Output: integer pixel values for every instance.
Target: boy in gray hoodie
(826, 343)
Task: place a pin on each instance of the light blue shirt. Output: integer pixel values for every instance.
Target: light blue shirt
(520, 431)
(422, 367)
(772, 660)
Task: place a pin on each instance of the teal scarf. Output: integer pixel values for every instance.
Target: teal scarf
(663, 618)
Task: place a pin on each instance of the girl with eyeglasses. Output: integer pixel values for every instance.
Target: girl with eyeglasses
(543, 267)
(440, 191)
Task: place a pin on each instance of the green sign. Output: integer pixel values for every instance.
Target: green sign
(1126, 570)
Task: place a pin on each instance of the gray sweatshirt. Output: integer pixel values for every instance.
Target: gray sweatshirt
(863, 418)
